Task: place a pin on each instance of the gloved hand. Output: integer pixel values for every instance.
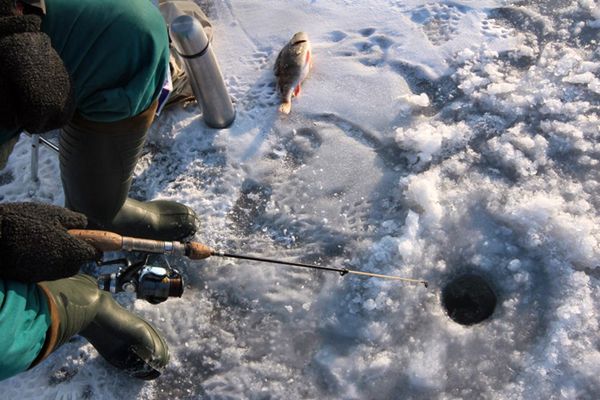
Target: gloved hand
(37, 83)
(35, 245)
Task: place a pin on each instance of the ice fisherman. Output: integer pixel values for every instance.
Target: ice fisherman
(95, 69)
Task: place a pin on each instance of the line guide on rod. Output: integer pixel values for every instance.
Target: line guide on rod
(109, 241)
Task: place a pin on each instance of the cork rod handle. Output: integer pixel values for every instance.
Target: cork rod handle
(101, 240)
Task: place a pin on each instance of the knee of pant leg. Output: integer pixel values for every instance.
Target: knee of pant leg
(79, 291)
(75, 302)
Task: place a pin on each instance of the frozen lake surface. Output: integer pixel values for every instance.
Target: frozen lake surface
(431, 139)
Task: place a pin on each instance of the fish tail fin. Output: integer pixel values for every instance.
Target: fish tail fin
(286, 107)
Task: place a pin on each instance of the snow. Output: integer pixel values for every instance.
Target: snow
(431, 138)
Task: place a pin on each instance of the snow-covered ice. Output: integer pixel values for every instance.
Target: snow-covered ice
(432, 138)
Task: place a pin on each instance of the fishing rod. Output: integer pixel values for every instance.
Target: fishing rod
(166, 282)
(109, 241)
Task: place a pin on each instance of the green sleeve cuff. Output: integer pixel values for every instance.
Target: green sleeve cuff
(24, 321)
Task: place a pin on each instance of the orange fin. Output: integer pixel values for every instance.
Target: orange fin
(297, 91)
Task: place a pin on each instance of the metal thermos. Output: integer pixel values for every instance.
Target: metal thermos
(192, 44)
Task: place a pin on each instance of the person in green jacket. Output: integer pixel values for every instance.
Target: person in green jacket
(44, 300)
(95, 69)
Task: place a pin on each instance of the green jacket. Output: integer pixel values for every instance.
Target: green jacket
(116, 51)
(24, 321)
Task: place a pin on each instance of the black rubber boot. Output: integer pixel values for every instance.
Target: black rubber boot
(97, 162)
(125, 340)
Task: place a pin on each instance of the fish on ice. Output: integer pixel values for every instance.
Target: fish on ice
(291, 68)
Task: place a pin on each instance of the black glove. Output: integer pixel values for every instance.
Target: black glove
(37, 82)
(35, 245)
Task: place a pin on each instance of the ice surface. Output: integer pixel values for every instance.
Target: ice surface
(432, 138)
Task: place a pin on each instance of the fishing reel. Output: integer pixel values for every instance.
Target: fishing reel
(152, 283)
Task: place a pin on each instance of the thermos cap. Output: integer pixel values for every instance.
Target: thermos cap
(188, 36)
(192, 45)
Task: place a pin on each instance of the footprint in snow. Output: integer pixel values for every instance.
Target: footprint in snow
(366, 44)
(439, 22)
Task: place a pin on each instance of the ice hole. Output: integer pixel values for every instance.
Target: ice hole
(468, 299)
